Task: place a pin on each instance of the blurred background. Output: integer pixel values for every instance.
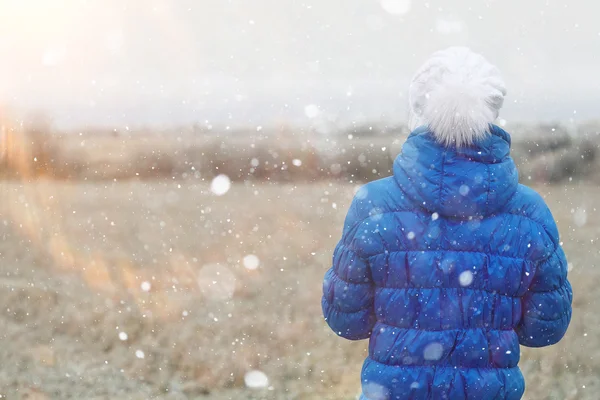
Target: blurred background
(174, 176)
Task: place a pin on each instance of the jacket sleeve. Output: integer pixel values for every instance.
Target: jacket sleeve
(546, 307)
(348, 288)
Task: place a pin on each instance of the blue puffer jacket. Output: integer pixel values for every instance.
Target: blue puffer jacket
(447, 266)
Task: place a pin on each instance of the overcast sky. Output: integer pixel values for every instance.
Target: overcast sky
(250, 62)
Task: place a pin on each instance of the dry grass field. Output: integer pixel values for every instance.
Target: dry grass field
(136, 290)
(544, 153)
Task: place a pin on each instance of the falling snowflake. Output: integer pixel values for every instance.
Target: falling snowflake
(376, 391)
(220, 185)
(146, 286)
(465, 278)
(361, 192)
(335, 169)
(433, 351)
(376, 213)
(397, 7)
(251, 262)
(297, 162)
(216, 282)
(139, 354)
(256, 379)
(123, 336)
(580, 217)
(312, 111)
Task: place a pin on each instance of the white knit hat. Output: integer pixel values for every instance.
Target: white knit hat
(457, 93)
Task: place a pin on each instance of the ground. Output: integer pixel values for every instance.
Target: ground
(136, 290)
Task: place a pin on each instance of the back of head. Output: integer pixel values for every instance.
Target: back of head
(457, 93)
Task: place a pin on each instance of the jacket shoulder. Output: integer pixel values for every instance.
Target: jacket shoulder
(530, 204)
(377, 197)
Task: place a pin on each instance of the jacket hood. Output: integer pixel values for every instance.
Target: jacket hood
(473, 181)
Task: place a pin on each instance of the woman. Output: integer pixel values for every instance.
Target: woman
(449, 264)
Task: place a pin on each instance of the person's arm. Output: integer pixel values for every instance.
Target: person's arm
(546, 307)
(347, 288)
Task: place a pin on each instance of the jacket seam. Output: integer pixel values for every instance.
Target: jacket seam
(561, 316)
(563, 286)
(355, 225)
(489, 185)
(450, 288)
(348, 281)
(336, 308)
(450, 251)
(437, 366)
(447, 330)
(442, 179)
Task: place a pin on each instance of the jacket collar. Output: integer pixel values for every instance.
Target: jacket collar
(472, 181)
